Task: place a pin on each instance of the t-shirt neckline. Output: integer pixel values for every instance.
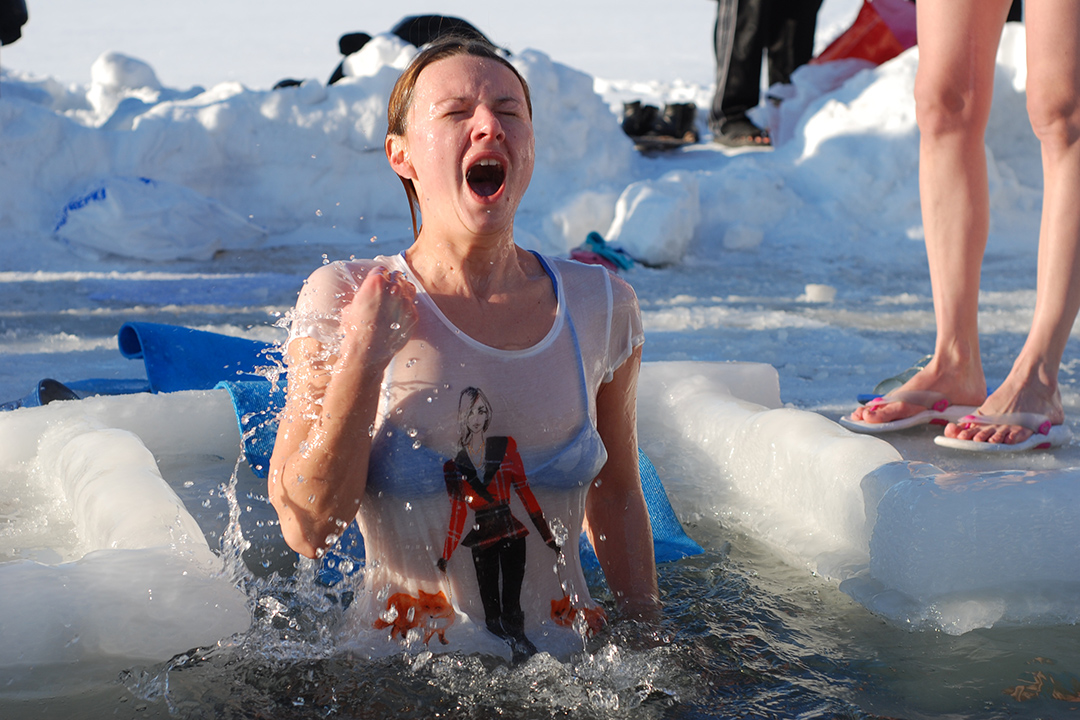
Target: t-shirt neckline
(549, 337)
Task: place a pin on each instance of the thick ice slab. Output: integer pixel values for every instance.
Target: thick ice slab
(788, 476)
(966, 550)
(116, 567)
(949, 550)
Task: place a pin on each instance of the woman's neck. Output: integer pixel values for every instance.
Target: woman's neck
(498, 294)
(469, 270)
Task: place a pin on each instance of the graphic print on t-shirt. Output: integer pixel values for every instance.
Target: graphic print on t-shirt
(481, 476)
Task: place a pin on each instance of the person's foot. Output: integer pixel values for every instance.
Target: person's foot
(960, 387)
(1015, 396)
(740, 132)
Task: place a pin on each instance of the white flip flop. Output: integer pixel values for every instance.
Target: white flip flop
(938, 412)
(1046, 436)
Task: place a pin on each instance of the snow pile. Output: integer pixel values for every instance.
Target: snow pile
(306, 163)
(656, 220)
(300, 162)
(153, 220)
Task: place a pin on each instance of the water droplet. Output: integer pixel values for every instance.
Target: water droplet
(408, 507)
(395, 326)
(412, 432)
(416, 445)
(318, 213)
(410, 363)
(602, 537)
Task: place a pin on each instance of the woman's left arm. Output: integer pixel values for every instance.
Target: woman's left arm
(617, 520)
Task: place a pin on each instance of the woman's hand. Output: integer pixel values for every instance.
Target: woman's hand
(379, 319)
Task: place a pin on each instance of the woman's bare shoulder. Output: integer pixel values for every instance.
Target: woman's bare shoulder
(335, 282)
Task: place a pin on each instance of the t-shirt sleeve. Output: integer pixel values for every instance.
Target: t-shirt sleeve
(625, 333)
(326, 292)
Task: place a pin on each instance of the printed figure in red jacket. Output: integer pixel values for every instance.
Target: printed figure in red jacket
(481, 477)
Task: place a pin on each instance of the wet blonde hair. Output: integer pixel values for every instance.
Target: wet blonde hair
(401, 97)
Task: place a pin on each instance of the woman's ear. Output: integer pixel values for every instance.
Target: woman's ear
(397, 152)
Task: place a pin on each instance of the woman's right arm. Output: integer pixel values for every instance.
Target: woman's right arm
(318, 470)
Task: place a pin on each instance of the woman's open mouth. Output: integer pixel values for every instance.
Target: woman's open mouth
(486, 177)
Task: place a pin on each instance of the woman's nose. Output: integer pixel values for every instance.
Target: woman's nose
(486, 123)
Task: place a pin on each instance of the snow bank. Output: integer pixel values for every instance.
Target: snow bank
(153, 220)
(300, 162)
(306, 163)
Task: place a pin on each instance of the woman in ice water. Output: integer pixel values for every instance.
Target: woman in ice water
(380, 351)
(958, 42)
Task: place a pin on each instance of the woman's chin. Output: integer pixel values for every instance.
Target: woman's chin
(491, 219)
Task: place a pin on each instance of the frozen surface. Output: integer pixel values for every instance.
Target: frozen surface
(103, 561)
(926, 548)
(967, 550)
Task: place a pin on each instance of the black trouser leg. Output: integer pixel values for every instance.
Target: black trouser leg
(740, 41)
(486, 562)
(790, 45)
(512, 557)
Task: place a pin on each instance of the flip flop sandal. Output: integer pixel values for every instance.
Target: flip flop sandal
(938, 412)
(1046, 435)
(742, 133)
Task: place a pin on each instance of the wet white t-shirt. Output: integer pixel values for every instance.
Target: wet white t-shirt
(480, 464)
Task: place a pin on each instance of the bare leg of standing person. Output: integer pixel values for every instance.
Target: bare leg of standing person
(958, 41)
(1053, 98)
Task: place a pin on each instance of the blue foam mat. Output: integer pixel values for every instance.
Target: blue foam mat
(179, 358)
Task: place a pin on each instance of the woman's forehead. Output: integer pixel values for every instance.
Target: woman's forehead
(461, 75)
